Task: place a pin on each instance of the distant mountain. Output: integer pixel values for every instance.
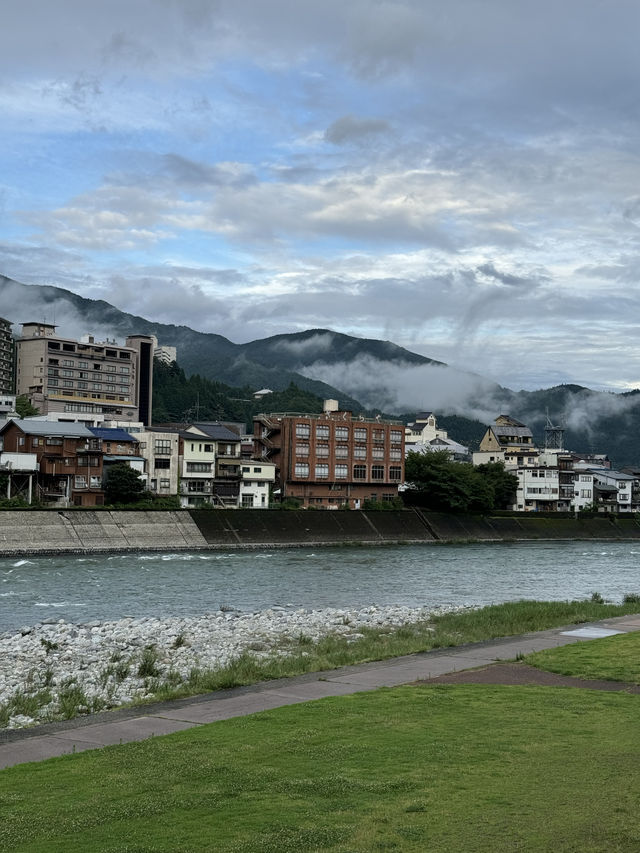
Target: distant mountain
(361, 373)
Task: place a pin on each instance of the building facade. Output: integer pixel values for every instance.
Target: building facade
(96, 378)
(332, 459)
(6, 358)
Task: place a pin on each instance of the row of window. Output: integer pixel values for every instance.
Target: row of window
(341, 451)
(341, 471)
(111, 353)
(341, 433)
(95, 386)
(54, 363)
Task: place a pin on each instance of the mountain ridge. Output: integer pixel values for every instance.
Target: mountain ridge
(362, 373)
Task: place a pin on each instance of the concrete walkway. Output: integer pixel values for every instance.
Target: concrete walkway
(133, 724)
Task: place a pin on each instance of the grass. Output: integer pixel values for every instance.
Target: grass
(437, 768)
(611, 658)
(302, 654)
(446, 630)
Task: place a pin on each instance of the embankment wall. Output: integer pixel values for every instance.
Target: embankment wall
(77, 531)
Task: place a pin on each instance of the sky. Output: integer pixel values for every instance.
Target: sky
(461, 177)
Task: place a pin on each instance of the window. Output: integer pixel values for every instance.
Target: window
(377, 472)
(196, 486)
(97, 367)
(96, 482)
(303, 430)
(360, 434)
(342, 471)
(342, 451)
(97, 386)
(54, 361)
(54, 441)
(165, 483)
(53, 382)
(359, 472)
(388, 498)
(83, 385)
(163, 447)
(378, 435)
(67, 372)
(342, 433)
(164, 463)
(322, 471)
(208, 448)
(359, 452)
(247, 501)
(395, 472)
(246, 469)
(192, 467)
(257, 470)
(302, 449)
(67, 383)
(110, 368)
(83, 364)
(395, 453)
(322, 450)
(378, 452)
(302, 469)
(322, 431)
(124, 370)
(53, 371)
(395, 436)
(80, 481)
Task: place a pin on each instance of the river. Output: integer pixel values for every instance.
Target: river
(102, 587)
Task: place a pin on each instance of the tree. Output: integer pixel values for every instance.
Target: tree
(503, 483)
(24, 407)
(123, 484)
(439, 484)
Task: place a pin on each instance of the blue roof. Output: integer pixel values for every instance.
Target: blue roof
(112, 434)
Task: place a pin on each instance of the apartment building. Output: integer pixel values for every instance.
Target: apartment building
(160, 451)
(96, 378)
(6, 358)
(332, 459)
(68, 458)
(257, 482)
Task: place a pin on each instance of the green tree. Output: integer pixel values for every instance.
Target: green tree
(24, 407)
(123, 484)
(503, 483)
(439, 484)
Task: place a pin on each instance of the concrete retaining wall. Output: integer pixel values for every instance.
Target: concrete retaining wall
(50, 531)
(69, 531)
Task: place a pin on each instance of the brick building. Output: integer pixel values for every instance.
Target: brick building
(332, 459)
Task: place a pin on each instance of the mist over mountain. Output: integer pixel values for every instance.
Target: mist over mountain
(360, 373)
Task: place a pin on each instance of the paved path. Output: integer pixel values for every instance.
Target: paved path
(133, 724)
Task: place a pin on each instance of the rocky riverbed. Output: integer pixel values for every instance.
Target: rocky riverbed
(59, 669)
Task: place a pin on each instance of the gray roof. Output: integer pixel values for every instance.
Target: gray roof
(45, 428)
(517, 432)
(216, 431)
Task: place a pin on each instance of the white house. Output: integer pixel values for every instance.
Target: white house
(257, 481)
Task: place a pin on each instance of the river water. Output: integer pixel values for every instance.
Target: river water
(102, 587)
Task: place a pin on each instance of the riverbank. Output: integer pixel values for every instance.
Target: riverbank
(60, 670)
(32, 532)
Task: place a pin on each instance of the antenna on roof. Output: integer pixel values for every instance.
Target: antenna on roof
(553, 435)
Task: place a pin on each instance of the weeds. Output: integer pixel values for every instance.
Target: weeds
(48, 645)
(179, 641)
(147, 668)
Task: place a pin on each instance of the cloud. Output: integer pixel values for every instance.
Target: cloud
(352, 129)
(404, 387)
(318, 343)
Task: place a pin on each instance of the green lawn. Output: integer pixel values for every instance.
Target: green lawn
(419, 768)
(613, 658)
